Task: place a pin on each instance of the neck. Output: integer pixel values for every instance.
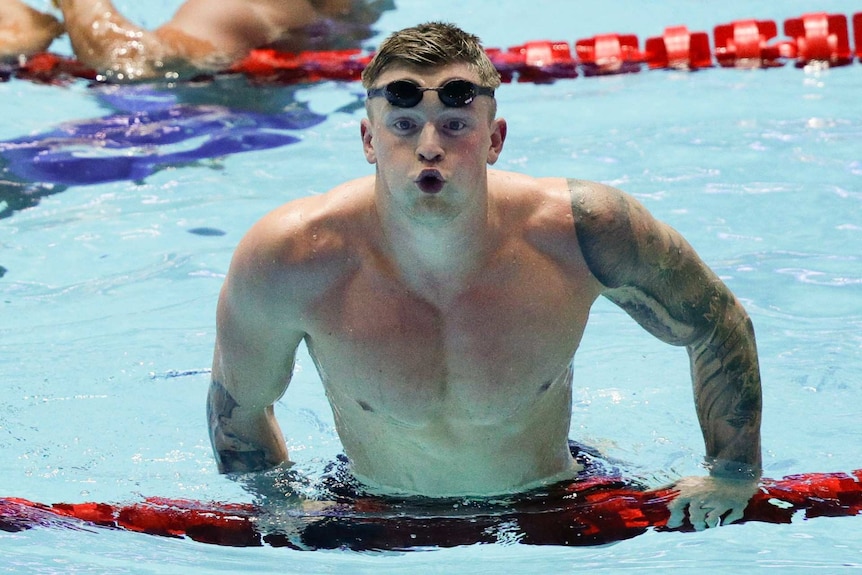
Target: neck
(437, 258)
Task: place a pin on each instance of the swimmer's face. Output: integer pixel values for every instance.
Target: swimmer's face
(431, 149)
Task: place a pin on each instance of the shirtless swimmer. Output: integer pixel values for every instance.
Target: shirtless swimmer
(443, 301)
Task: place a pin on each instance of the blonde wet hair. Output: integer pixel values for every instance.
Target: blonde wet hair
(431, 45)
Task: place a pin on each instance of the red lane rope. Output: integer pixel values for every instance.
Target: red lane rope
(815, 38)
(593, 512)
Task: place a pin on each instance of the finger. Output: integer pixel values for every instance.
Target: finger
(697, 516)
(735, 515)
(677, 515)
(712, 519)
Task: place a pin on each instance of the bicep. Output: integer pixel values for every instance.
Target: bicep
(645, 266)
(257, 322)
(254, 353)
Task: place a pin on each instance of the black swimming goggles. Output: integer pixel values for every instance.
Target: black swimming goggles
(453, 94)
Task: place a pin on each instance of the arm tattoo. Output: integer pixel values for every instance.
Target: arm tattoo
(650, 271)
(232, 453)
(727, 385)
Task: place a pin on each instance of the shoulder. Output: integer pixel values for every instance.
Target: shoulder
(624, 244)
(617, 237)
(538, 210)
(565, 205)
(566, 201)
(599, 207)
(303, 245)
(534, 202)
(611, 219)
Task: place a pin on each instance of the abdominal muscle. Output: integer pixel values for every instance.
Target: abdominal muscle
(451, 452)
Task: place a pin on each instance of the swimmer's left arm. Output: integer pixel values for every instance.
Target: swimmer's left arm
(650, 271)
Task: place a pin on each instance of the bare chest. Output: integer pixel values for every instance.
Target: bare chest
(482, 358)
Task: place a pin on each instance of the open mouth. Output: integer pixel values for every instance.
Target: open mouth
(430, 181)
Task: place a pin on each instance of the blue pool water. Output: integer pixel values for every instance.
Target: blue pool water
(109, 284)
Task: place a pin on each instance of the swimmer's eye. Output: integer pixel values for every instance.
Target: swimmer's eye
(408, 126)
(455, 125)
(404, 125)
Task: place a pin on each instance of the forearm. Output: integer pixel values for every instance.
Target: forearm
(104, 40)
(243, 440)
(727, 389)
(121, 51)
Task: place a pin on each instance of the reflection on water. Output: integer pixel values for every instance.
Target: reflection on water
(155, 129)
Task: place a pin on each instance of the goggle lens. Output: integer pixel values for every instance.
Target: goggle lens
(453, 94)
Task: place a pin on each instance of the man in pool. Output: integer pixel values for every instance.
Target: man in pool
(443, 302)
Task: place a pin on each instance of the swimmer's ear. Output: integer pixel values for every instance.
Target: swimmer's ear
(367, 141)
(498, 138)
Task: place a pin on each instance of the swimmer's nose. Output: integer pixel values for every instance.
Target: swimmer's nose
(428, 148)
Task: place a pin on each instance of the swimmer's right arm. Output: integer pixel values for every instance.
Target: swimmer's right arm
(252, 366)
(243, 440)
